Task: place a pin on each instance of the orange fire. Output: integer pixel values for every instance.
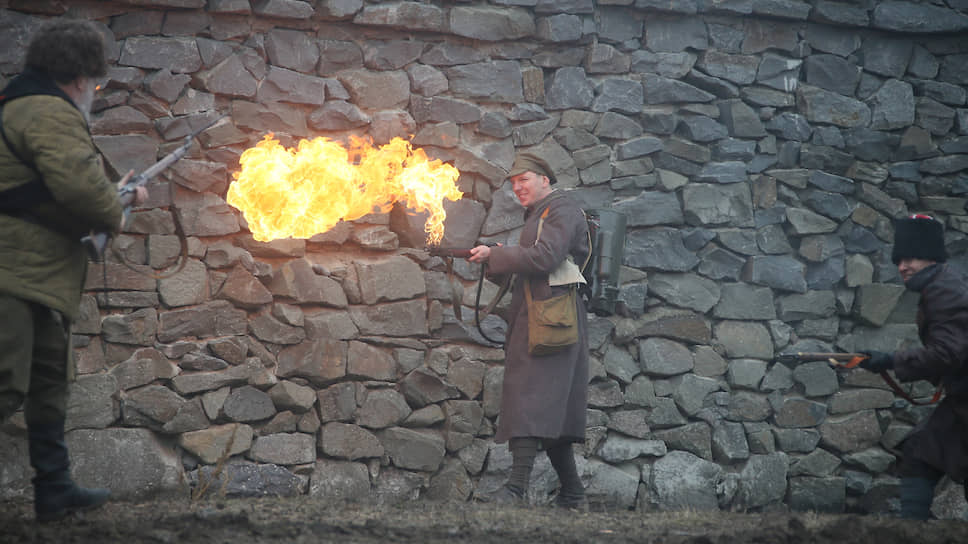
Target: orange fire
(299, 192)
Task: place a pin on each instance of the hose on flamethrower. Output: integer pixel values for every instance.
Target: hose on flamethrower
(462, 253)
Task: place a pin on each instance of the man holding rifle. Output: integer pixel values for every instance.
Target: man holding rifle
(939, 444)
(53, 191)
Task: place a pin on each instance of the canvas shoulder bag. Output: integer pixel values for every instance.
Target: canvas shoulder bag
(553, 322)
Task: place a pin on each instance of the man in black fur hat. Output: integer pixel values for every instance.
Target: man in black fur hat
(939, 443)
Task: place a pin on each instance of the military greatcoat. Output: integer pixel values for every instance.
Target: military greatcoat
(543, 396)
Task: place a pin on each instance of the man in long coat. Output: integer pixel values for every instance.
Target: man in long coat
(939, 444)
(544, 397)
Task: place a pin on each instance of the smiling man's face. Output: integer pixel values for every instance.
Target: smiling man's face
(909, 267)
(530, 187)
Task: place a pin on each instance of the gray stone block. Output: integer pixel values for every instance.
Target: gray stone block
(248, 480)
(339, 480)
(821, 106)
(746, 373)
(840, 13)
(800, 412)
(692, 392)
(819, 463)
(832, 73)
(665, 414)
(610, 486)
(685, 290)
(718, 205)
(491, 23)
(414, 450)
(762, 482)
(876, 301)
(729, 442)
(909, 17)
(873, 460)
(284, 449)
(834, 206)
(720, 264)
(662, 90)
(382, 408)
(745, 406)
(818, 494)
(804, 221)
(659, 248)
(851, 433)
(672, 65)
(605, 394)
(618, 448)
(682, 480)
(675, 35)
(796, 440)
(778, 378)
(132, 463)
(605, 59)
(777, 271)
(568, 88)
(621, 95)
(662, 357)
(412, 16)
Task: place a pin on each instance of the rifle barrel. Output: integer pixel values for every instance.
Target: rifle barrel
(158, 167)
(96, 242)
(803, 356)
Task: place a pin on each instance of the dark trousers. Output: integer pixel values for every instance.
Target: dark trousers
(918, 480)
(34, 360)
(912, 467)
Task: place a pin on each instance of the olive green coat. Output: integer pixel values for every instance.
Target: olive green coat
(43, 260)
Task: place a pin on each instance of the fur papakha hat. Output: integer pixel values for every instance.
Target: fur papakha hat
(530, 162)
(918, 237)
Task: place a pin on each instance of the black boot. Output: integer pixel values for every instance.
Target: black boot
(55, 493)
(523, 452)
(916, 497)
(572, 494)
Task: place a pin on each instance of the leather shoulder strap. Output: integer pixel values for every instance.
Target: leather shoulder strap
(541, 224)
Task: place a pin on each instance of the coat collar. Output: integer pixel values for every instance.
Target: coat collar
(32, 82)
(920, 280)
(543, 203)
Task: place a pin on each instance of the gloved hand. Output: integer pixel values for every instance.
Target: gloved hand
(877, 361)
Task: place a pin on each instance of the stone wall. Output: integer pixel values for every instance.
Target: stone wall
(759, 147)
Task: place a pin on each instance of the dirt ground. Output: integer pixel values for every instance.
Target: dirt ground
(303, 520)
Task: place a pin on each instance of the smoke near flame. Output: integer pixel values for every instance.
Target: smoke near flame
(302, 191)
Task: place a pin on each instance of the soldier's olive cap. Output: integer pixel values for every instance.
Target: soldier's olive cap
(530, 162)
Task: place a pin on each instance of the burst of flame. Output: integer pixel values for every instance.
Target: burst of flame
(299, 192)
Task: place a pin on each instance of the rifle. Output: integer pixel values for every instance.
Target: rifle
(852, 360)
(843, 359)
(97, 242)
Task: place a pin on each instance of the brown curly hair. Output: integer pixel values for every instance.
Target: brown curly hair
(67, 49)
